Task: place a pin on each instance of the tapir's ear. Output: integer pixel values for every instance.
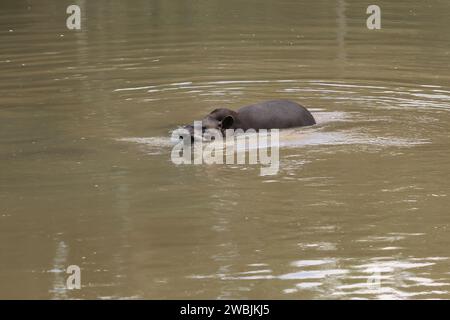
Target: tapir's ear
(227, 122)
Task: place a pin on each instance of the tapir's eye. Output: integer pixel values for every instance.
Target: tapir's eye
(213, 138)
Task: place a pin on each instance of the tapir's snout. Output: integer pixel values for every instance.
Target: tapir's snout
(191, 133)
(202, 133)
(190, 129)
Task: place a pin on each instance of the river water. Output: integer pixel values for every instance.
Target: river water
(358, 209)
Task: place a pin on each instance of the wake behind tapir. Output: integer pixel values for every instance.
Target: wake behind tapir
(260, 122)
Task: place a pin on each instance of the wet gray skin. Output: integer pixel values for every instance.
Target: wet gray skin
(364, 192)
(273, 114)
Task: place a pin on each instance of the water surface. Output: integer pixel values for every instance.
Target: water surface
(86, 176)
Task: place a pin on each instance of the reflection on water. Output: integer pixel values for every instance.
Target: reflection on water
(59, 269)
(358, 208)
(382, 278)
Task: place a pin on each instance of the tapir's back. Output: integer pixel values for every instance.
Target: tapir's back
(275, 114)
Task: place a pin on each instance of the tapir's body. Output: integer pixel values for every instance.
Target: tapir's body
(274, 114)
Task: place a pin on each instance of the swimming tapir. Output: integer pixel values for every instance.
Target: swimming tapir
(274, 114)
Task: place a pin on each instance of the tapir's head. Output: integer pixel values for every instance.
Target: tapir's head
(219, 119)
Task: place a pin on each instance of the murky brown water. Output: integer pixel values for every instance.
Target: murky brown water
(86, 177)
